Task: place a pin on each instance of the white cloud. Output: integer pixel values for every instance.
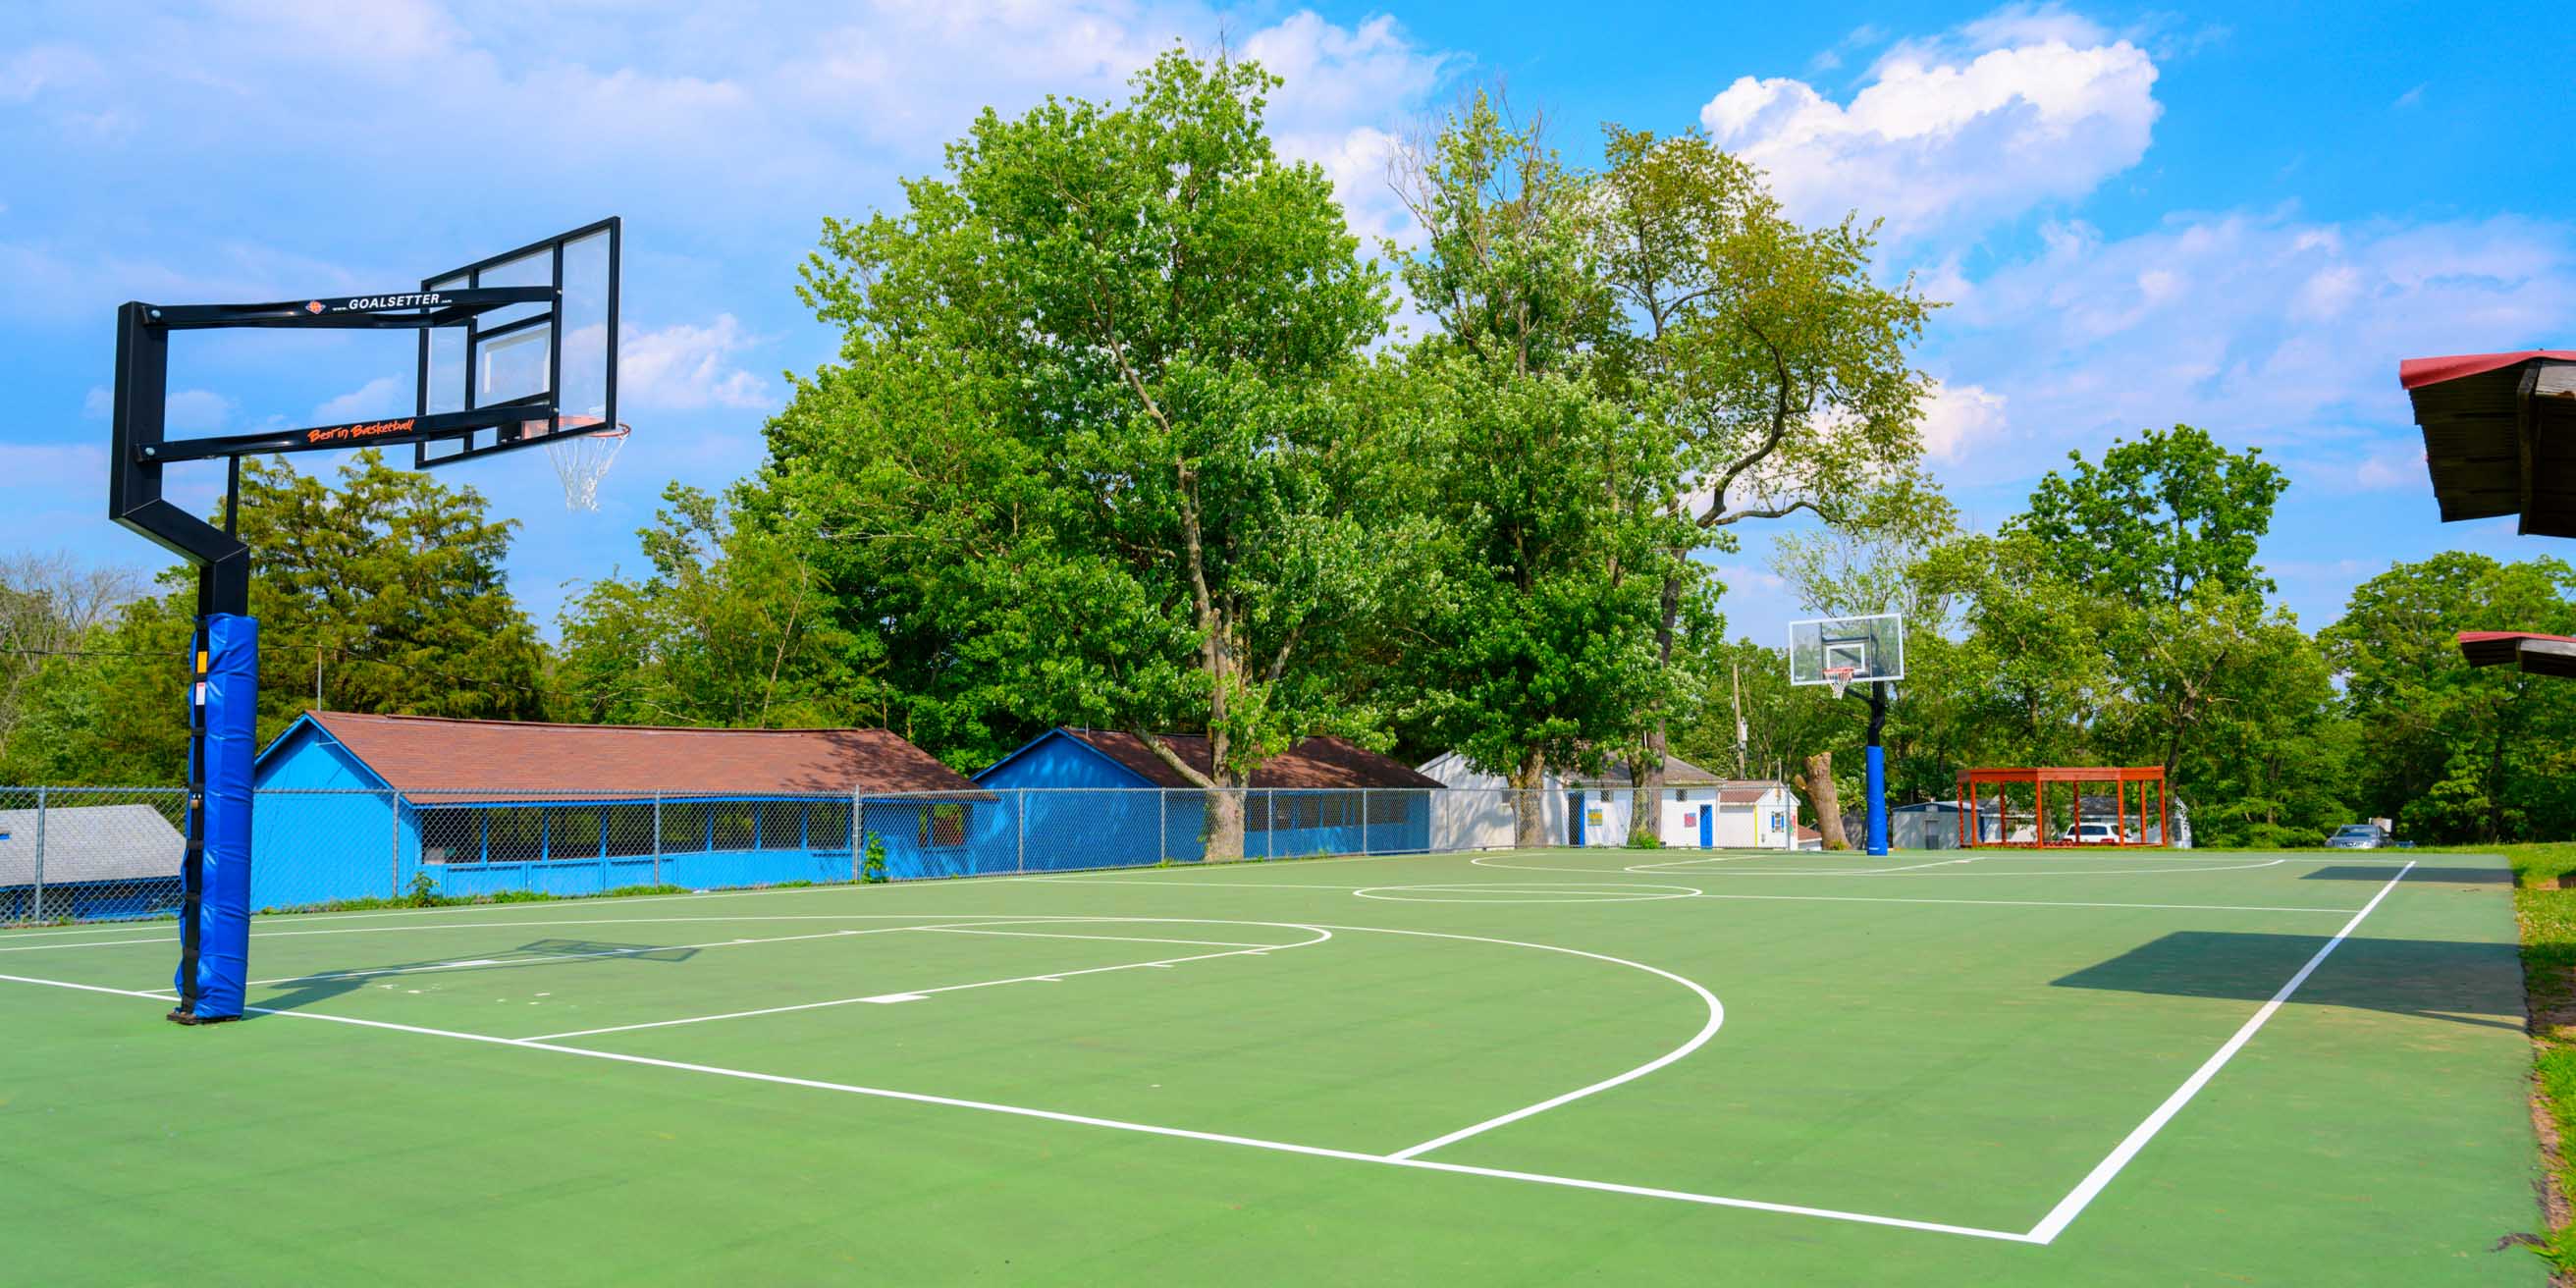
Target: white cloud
(2411, 98)
(382, 396)
(683, 367)
(99, 404)
(2391, 468)
(1959, 418)
(37, 469)
(196, 411)
(379, 32)
(33, 71)
(2261, 327)
(2020, 109)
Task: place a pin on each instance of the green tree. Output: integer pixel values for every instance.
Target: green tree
(1144, 311)
(2159, 518)
(50, 606)
(383, 594)
(731, 630)
(2455, 752)
(1538, 639)
(1770, 350)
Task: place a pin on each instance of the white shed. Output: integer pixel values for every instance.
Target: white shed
(1696, 810)
(1476, 813)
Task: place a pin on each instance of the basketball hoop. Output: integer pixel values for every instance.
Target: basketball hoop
(582, 460)
(1840, 677)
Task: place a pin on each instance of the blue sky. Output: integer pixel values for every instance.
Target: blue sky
(2237, 217)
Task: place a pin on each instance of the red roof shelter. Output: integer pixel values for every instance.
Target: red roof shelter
(2500, 435)
(1979, 788)
(2534, 654)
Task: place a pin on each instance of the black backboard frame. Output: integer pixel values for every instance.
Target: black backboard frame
(514, 434)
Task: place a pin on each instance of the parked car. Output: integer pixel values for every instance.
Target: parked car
(2357, 836)
(2094, 834)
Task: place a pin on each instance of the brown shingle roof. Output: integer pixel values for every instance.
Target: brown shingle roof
(1322, 761)
(514, 760)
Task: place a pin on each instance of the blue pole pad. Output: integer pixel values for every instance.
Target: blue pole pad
(1876, 760)
(231, 698)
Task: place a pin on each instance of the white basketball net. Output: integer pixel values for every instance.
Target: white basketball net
(1840, 677)
(581, 460)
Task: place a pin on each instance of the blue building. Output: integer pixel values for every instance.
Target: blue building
(1090, 798)
(352, 806)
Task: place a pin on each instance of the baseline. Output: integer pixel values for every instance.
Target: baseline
(2077, 1199)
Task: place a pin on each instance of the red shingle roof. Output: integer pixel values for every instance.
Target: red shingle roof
(2538, 654)
(514, 760)
(1322, 761)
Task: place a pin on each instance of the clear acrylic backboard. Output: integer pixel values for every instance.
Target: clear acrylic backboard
(1841, 651)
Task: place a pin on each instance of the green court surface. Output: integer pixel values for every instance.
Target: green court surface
(1543, 1067)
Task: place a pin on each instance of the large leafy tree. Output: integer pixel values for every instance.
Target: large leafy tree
(2160, 540)
(1140, 312)
(49, 605)
(384, 593)
(1779, 362)
(2459, 753)
(2158, 518)
(730, 629)
(1548, 495)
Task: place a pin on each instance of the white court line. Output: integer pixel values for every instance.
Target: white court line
(918, 993)
(1023, 1111)
(1111, 939)
(1492, 862)
(172, 935)
(260, 935)
(1665, 869)
(1838, 898)
(2073, 1204)
(540, 959)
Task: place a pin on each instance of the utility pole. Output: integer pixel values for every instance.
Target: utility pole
(1737, 669)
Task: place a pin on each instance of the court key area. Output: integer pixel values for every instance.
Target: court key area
(1530, 1067)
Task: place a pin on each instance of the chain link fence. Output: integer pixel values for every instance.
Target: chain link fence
(90, 853)
(97, 854)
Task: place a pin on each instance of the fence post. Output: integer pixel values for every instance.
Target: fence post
(1364, 821)
(1162, 826)
(39, 913)
(858, 830)
(393, 845)
(602, 816)
(1020, 807)
(657, 838)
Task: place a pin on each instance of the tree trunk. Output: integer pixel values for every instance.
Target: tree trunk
(1818, 783)
(1529, 802)
(1223, 836)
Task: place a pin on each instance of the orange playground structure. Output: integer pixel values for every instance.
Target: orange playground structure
(2011, 807)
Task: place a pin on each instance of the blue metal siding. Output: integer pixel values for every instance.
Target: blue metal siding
(318, 848)
(1112, 824)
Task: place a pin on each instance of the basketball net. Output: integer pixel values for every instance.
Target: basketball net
(582, 460)
(1840, 677)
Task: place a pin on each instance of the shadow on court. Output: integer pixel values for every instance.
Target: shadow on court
(322, 986)
(2378, 875)
(2465, 983)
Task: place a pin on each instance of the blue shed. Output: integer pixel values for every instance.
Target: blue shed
(352, 806)
(1093, 798)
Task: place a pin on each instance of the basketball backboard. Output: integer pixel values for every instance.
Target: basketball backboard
(1847, 650)
(561, 355)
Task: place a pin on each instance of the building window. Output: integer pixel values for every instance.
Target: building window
(943, 826)
(782, 825)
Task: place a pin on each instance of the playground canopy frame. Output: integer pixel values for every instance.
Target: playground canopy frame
(2038, 780)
